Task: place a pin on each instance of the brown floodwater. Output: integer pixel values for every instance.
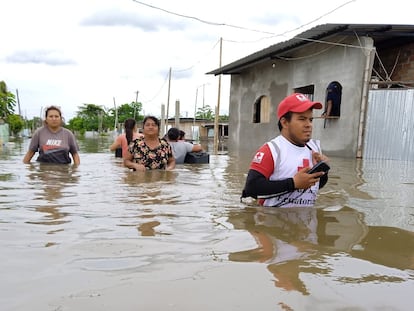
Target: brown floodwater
(100, 237)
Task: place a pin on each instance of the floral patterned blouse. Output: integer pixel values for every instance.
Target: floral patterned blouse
(152, 159)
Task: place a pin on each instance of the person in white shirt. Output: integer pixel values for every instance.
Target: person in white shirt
(279, 172)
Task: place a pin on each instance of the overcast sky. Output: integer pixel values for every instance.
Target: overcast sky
(70, 53)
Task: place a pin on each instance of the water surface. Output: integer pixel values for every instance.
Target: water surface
(99, 237)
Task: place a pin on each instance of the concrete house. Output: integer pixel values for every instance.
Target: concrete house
(361, 58)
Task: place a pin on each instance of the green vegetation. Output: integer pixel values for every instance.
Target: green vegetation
(205, 113)
(91, 117)
(7, 101)
(7, 105)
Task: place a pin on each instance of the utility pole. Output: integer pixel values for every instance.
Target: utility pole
(168, 100)
(116, 117)
(195, 112)
(136, 102)
(18, 101)
(216, 117)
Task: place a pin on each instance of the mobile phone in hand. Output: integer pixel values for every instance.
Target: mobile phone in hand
(319, 167)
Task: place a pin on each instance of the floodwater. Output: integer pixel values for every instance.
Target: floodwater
(99, 237)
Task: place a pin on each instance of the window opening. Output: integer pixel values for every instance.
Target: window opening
(261, 110)
(308, 91)
(333, 100)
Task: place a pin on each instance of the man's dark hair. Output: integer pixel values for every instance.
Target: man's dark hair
(287, 116)
(173, 133)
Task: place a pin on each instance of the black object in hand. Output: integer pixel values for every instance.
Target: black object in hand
(319, 167)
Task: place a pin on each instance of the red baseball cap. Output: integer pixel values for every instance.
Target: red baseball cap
(296, 102)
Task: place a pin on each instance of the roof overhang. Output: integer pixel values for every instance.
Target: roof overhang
(383, 35)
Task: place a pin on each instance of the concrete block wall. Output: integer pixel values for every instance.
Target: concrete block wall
(317, 65)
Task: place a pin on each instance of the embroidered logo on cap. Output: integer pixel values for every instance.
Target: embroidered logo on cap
(302, 97)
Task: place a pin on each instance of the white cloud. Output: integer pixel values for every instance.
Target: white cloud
(69, 53)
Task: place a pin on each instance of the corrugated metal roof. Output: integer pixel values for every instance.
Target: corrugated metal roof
(382, 34)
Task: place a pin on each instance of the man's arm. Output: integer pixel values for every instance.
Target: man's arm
(258, 185)
(197, 148)
(328, 107)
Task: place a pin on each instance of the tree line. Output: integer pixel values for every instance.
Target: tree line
(7, 106)
(89, 117)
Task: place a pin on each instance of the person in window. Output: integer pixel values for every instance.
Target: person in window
(278, 174)
(149, 152)
(180, 148)
(333, 100)
(54, 143)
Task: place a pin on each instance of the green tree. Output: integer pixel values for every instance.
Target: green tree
(205, 113)
(7, 101)
(224, 118)
(34, 123)
(94, 118)
(76, 124)
(16, 123)
(127, 111)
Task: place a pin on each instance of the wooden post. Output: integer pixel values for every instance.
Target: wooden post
(136, 102)
(364, 102)
(116, 117)
(162, 129)
(216, 117)
(168, 101)
(177, 113)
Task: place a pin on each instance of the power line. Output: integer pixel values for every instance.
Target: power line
(199, 61)
(159, 92)
(283, 34)
(199, 19)
(242, 27)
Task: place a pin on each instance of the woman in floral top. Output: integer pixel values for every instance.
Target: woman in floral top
(149, 152)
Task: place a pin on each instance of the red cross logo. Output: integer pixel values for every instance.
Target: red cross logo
(305, 163)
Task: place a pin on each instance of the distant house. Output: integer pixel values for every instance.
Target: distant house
(372, 64)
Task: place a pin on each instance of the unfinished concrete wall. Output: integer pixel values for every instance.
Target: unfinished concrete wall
(317, 65)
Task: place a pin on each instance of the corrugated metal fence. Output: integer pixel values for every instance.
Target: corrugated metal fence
(389, 130)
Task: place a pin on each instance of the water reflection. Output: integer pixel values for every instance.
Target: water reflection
(147, 228)
(134, 179)
(48, 182)
(96, 144)
(293, 242)
(50, 179)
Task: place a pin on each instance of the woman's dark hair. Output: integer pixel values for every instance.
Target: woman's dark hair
(129, 125)
(52, 108)
(182, 135)
(155, 119)
(287, 116)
